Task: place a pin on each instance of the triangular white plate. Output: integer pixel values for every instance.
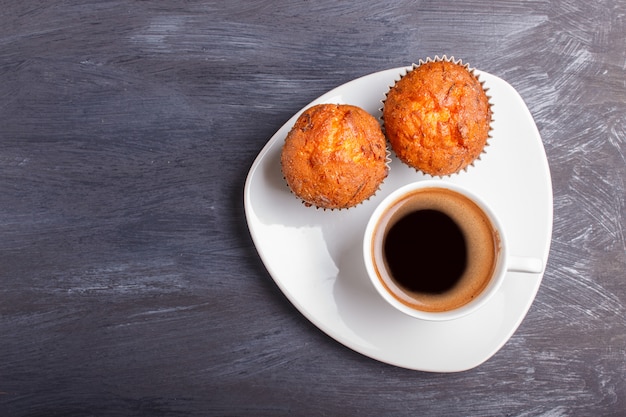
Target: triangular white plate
(315, 256)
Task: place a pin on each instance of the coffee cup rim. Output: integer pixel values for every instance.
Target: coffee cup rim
(499, 269)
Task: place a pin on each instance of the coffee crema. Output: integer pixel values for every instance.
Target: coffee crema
(439, 249)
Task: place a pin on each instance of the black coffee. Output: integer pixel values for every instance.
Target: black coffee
(438, 249)
(426, 252)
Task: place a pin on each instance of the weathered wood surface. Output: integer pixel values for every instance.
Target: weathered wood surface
(130, 284)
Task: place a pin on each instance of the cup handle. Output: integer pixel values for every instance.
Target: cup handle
(522, 264)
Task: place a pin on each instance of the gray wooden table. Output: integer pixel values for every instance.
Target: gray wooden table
(129, 281)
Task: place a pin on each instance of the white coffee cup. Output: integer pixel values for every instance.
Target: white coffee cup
(436, 251)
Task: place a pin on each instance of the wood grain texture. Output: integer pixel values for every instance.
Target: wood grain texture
(130, 285)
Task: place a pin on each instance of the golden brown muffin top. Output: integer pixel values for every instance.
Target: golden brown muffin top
(334, 156)
(437, 118)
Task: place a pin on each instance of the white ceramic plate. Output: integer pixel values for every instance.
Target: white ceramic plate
(315, 256)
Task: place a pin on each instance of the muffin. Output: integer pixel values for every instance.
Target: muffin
(437, 117)
(335, 156)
